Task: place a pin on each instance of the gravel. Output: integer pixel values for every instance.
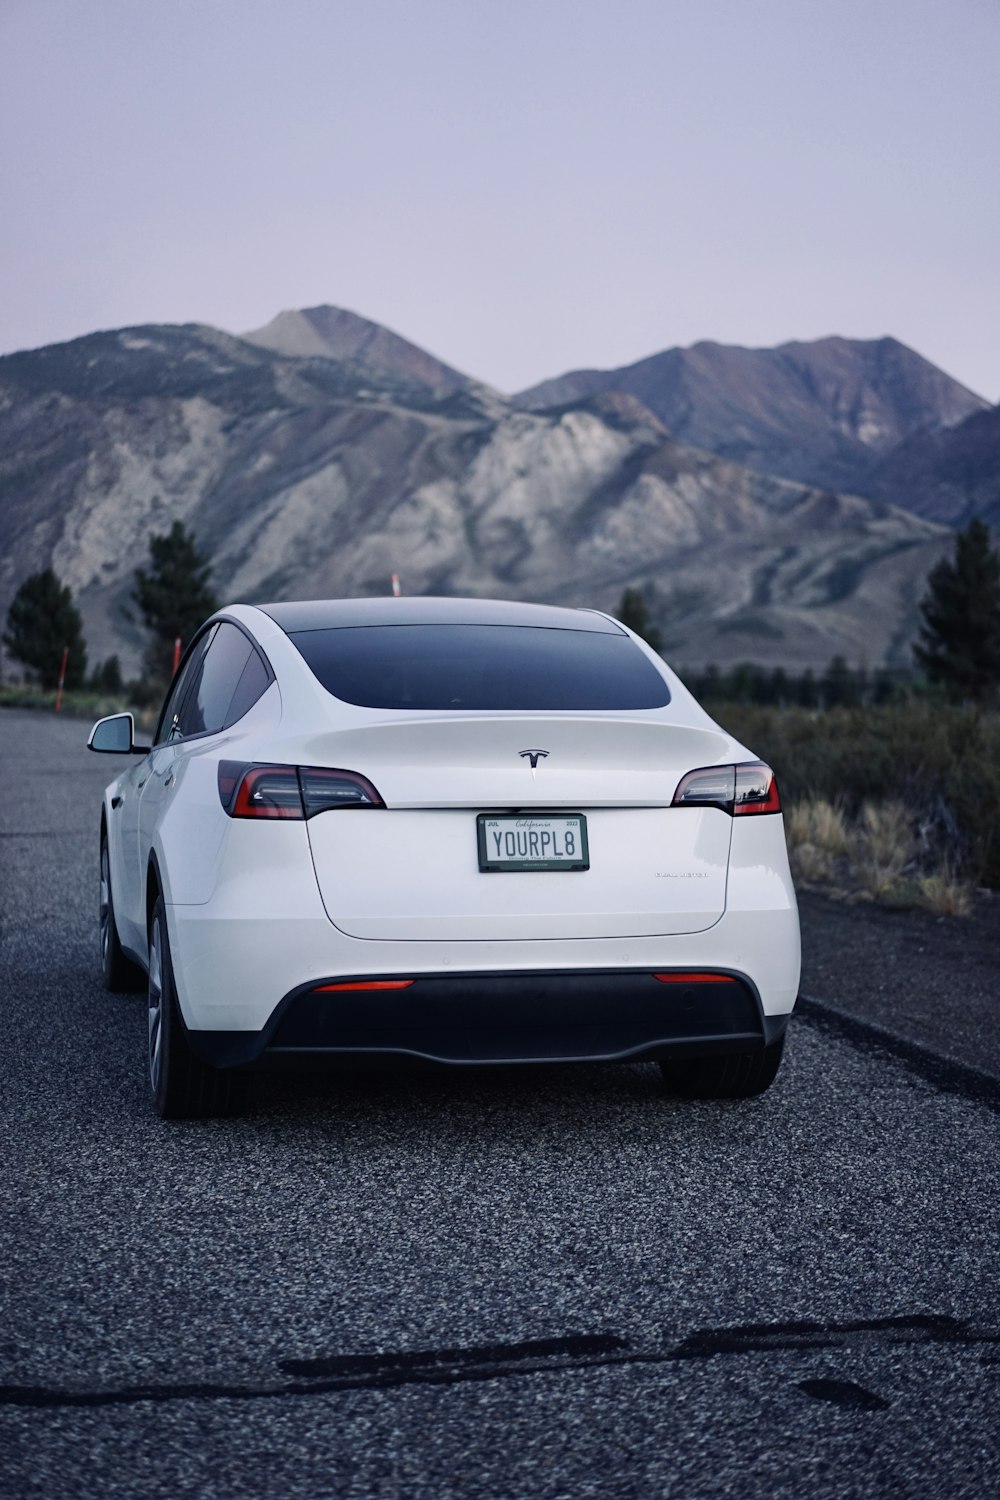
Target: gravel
(532, 1282)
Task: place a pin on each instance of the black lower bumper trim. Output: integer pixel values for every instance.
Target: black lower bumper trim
(547, 1016)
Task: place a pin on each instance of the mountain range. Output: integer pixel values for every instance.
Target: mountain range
(779, 506)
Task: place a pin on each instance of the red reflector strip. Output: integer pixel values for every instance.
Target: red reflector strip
(695, 978)
(364, 984)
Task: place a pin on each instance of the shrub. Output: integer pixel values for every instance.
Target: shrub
(942, 763)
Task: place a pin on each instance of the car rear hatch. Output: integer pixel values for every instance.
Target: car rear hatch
(412, 870)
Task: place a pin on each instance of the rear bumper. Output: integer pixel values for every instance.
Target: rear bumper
(576, 1015)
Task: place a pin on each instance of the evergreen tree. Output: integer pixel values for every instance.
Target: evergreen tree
(838, 686)
(632, 611)
(807, 690)
(779, 689)
(107, 676)
(173, 596)
(41, 622)
(959, 644)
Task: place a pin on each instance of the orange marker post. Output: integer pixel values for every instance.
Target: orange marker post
(396, 590)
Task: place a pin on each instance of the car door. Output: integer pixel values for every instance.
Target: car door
(134, 854)
(202, 713)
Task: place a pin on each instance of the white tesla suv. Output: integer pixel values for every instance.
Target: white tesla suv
(467, 831)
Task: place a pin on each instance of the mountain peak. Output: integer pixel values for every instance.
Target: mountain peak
(327, 332)
(819, 412)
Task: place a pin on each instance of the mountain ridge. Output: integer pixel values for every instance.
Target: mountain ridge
(303, 475)
(822, 413)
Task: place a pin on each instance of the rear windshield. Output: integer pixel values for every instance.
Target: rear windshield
(481, 666)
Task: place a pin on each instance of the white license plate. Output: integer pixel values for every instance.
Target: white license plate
(549, 841)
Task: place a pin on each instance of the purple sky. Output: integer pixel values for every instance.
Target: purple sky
(521, 186)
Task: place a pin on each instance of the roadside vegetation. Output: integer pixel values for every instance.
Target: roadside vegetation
(898, 804)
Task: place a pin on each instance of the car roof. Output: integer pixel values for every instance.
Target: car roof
(337, 614)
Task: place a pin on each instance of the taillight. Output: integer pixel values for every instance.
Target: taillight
(267, 792)
(322, 789)
(290, 791)
(746, 788)
(687, 976)
(364, 984)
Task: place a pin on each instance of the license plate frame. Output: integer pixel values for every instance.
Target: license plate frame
(520, 827)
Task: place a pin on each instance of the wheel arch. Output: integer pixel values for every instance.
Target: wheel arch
(154, 888)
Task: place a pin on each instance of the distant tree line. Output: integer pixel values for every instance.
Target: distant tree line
(839, 686)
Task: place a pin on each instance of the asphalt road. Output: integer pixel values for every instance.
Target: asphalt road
(550, 1282)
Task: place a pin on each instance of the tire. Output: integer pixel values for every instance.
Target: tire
(121, 975)
(733, 1075)
(183, 1087)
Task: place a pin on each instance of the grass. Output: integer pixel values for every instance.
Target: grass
(82, 705)
(78, 705)
(875, 856)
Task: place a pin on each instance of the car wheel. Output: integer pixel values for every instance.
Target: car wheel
(734, 1075)
(121, 975)
(183, 1087)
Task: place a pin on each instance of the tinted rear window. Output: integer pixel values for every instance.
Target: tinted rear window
(481, 666)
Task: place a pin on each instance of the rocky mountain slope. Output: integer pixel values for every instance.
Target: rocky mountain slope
(308, 475)
(823, 413)
(947, 475)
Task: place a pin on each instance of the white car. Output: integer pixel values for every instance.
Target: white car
(467, 831)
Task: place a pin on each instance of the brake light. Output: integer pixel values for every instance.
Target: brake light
(749, 787)
(267, 792)
(364, 984)
(695, 978)
(290, 791)
(322, 789)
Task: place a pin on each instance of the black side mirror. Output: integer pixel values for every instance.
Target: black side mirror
(115, 736)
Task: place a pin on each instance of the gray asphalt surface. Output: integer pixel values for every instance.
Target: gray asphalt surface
(549, 1282)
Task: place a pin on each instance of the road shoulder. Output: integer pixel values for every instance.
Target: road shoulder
(930, 981)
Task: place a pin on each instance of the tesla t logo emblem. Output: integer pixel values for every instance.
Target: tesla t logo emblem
(533, 757)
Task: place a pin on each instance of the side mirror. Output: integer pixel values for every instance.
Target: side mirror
(115, 736)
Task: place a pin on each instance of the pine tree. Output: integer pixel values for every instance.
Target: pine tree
(959, 644)
(41, 623)
(838, 686)
(107, 676)
(632, 612)
(173, 596)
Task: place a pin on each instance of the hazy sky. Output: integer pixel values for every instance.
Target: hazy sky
(521, 186)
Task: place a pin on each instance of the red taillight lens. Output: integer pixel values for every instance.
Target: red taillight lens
(694, 977)
(756, 790)
(364, 984)
(749, 787)
(290, 791)
(268, 792)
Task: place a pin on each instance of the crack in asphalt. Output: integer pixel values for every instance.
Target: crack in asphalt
(576, 1352)
(944, 1073)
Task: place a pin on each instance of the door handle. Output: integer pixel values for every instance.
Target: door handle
(169, 780)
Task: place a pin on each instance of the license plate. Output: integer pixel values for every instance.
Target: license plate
(551, 841)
